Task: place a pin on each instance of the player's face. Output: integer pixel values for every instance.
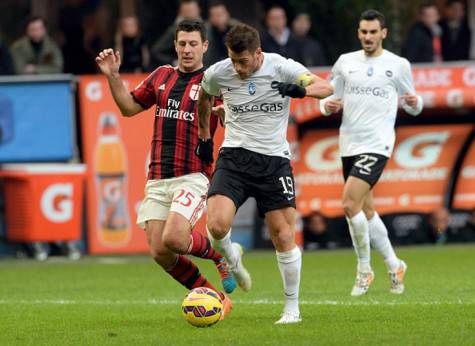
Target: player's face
(245, 63)
(371, 36)
(190, 49)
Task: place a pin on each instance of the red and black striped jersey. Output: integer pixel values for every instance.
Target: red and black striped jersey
(175, 134)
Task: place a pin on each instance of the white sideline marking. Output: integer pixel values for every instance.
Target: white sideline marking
(244, 302)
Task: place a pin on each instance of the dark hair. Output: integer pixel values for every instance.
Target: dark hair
(183, 2)
(424, 6)
(188, 25)
(216, 3)
(374, 15)
(242, 37)
(32, 19)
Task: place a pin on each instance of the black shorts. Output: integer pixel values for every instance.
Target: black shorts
(367, 167)
(242, 173)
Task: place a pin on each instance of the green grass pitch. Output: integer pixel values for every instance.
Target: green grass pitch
(130, 301)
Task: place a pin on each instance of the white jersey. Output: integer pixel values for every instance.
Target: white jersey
(256, 115)
(370, 88)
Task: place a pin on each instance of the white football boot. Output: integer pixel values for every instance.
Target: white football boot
(397, 278)
(289, 317)
(240, 273)
(362, 283)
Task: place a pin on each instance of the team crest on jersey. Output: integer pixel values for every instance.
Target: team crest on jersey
(195, 92)
(370, 71)
(389, 73)
(251, 87)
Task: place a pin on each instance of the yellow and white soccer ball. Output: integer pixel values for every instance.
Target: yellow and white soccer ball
(304, 80)
(202, 307)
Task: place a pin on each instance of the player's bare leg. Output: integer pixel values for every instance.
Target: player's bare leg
(379, 239)
(220, 215)
(178, 266)
(354, 194)
(179, 238)
(281, 224)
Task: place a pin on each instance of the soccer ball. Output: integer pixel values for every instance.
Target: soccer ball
(202, 307)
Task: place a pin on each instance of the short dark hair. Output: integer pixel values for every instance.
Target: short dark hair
(374, 15)
(216, 3)
(32, 19)
(243, 37)
(425, 5)
(188, 25)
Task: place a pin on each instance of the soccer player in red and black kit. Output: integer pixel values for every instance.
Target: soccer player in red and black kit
(175, 193)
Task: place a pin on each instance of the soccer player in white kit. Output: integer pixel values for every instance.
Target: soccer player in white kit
(254, 160)
(369, 84)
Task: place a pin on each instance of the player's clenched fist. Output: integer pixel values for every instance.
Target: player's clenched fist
(204, 150)
(333, 105)
(289, 89)
(109, 62)
(410, 99)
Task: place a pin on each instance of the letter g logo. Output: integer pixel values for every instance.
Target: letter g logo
(324, 155)
(421, 150)
(56, 202)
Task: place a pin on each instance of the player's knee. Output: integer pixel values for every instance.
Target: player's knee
(283, 238)
(350, 207)
(160, 255)
(217, 226)
(174, 243)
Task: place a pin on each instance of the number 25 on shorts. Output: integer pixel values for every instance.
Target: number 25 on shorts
(184, 198)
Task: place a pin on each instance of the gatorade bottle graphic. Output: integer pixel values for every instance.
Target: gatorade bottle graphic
(111, 183)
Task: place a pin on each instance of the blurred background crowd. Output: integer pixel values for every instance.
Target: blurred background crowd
(39, 37)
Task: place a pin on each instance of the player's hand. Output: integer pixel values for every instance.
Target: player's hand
(109, 62)
(219, 112)
(410, 99)
(204, 150)
(333, 105)
(289, 89)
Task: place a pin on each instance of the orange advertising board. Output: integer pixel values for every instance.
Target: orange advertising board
(442, 86)
(464, 197)
(116, 151)
(414, 180)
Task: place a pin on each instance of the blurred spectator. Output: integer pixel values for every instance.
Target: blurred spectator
(219, 23)
(456, 35)
(311, 49)
(465, 233)
(131, 45)
(278, 38)
(71, 18)
(438, 226)
(315, 233)
(423, 42)
(163, 50)
(6, 64)
(36, 53)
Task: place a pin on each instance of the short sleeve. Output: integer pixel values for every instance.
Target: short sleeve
(209, 84)
(144, 93)
(291, 70)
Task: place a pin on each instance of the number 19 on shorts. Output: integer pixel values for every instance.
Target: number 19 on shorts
(288, 186)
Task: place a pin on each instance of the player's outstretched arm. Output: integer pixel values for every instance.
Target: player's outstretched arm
(204, 149)
(109, 63)
(318, 88)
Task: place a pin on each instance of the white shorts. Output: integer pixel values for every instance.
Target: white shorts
(185, 195)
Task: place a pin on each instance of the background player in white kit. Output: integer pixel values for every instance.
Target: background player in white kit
(369, 84)
(254, 158)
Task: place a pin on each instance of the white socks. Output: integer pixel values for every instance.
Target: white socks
(360, 236)
(379, 239)
(290, 263)
(224, 247)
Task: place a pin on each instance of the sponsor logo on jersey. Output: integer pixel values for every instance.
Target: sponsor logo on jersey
(173, 111)
(195, 92)
(263, 107)
(251, 87)
(367, 91)
(370, 71)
